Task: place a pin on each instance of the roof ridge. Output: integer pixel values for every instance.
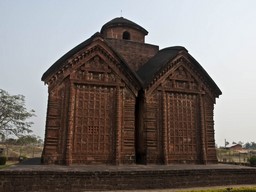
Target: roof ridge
(119, 21)
(177, 47)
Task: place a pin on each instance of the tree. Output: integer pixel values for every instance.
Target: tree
(253, 145)
(250, 145)
(226, 143)
(14, 117)
(28, 140)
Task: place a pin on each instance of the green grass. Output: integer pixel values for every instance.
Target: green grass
(4, 166)
(228, 189)
(17, 150)
(8, 164)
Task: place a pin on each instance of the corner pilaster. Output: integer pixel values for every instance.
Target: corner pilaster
(202, 124)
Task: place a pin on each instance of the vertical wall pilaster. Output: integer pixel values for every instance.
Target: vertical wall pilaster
(70, 124)
(202, 124)
(44, 153)
(165, 132)
(118, 126)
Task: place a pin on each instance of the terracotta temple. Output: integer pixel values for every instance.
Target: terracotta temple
(114, 99)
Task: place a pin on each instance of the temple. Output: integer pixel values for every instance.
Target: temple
(114, 99)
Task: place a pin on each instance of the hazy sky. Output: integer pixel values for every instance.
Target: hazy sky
(219, 34)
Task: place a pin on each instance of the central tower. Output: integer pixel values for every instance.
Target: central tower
(128, 39)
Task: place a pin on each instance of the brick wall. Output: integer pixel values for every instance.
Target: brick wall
(117, 33)
(135, 54)
(14, 180)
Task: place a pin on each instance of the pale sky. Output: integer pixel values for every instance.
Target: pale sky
(219, 34)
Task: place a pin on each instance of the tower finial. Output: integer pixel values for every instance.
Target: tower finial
(121, 13)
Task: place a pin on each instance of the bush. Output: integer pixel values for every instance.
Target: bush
(252, 161)
(2, 160)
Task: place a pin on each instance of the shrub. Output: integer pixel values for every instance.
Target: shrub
(2, 160)
(252, 161)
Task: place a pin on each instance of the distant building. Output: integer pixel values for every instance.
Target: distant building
(236, 147)
(115, 99)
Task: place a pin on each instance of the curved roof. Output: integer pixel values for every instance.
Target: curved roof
(69, 54)
(157, 63)
(122, 22)
(81, 46)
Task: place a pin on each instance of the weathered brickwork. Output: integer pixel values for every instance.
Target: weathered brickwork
(114, 99)
(134, 53)
(38, 181)
(118, 32)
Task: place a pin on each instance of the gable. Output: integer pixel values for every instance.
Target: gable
(180, 68)
(94, 59)
(181, 79)
(96, 71)
(156, 64)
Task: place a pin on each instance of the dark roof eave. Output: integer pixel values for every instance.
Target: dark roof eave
(216, 88)
(82, 45)
(120, 21)
(66, 56)
(157, 63)
(167, 55)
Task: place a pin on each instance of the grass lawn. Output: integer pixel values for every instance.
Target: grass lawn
(224, 189)
(246, 188)
(8, 164)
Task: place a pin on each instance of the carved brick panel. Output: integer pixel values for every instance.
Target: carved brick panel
(128, 126)
(181, 80)
(173, 123)
(182, 127)
(153, 127)
(94, 124)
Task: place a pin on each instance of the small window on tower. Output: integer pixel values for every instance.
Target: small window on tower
(126, 35)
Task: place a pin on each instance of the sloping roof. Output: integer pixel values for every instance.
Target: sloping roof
(69, 54)
(157, 63)
(81, 46)
(120, 21)
(212, 83)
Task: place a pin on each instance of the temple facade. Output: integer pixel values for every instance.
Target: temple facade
(115, 99)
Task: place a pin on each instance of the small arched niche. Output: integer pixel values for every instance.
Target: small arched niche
(126, 35)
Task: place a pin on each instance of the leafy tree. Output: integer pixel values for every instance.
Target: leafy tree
(250, 145)
(226, 143)
(247, 145)
(253, 145)
(10, 141)
(14, 115)
(28, 140)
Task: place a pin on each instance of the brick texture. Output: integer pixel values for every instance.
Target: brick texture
(38, 181)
